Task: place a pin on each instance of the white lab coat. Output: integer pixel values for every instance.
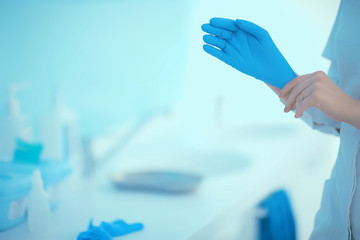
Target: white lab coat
(339, 215)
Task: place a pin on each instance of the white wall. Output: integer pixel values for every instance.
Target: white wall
(299, 28)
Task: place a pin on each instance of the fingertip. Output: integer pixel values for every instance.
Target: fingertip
(286, 109)
(206, 37)
(204, 26)
(214, 19)
(206, 48)
(214, 51)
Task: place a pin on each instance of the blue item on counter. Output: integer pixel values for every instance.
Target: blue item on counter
(120, 227)
(52, 172)
(248, 48)
(162, 181)
(95, 233)
(27, 159)
(109, 230)
(279, 222)
(14, 189)
(15, 186)
(27, 152)
(16, 179)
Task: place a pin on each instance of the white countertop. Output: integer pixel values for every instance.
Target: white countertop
(269, 156)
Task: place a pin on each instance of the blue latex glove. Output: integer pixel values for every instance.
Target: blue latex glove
(94, 234)
(106, 231)
(248, 48)
(120, 228)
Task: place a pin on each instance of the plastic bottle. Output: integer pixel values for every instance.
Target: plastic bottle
(14, 125)
(58, 131)
(51, 134)
(39, 214)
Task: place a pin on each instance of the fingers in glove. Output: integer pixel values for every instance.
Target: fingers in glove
(224, 23)
(214, 52)
(219, 32)
(252, 28)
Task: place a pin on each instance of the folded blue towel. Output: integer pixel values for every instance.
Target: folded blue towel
(27, 152)
(279, 223)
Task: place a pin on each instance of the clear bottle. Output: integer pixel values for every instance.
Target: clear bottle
(58, 131)
(39, 213)
(14, 125)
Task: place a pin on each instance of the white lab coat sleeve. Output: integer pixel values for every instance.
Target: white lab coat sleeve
(313, 116)
(308, 118)
(318, 120)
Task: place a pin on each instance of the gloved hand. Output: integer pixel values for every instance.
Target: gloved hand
(248, 48)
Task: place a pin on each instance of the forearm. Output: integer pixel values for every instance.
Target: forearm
(275, 89)
(353, 114)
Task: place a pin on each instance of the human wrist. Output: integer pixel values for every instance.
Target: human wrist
(353, 114)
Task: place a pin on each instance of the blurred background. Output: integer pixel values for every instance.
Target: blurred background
(114, 60)
(118, 80)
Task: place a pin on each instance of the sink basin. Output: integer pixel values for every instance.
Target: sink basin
(206, 163)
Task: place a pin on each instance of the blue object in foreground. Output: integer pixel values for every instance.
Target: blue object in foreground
(106, 231)
(27, 152)
(279, 223)
(248, 48)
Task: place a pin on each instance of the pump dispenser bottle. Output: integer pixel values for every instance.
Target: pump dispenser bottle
(14, 125)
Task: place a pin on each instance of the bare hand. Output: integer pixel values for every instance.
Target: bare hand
(317, 90)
